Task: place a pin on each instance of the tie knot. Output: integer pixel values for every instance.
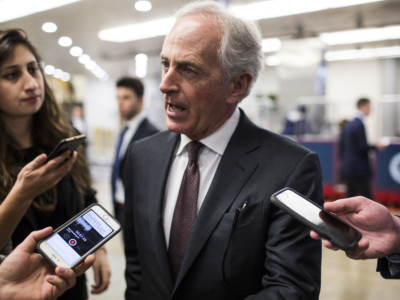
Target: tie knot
(193, 150)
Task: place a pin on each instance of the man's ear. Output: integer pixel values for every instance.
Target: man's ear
(240, 84)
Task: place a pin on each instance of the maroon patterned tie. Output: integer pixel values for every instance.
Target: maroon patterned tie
(185, 210)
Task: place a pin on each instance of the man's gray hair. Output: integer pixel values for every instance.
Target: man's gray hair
(240, 48)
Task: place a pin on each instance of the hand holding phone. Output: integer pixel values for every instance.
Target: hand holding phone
(71, 144)
(82, 235)
(315, 217)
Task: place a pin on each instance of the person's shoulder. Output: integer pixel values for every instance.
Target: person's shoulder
(150, 125)
(158, 139)
(268, 139)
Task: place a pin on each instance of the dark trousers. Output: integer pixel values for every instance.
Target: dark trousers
(358, 187)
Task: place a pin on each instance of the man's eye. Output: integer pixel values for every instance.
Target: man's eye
(165, 64)
(187, 70)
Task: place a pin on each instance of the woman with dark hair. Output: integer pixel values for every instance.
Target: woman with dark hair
(31, 123)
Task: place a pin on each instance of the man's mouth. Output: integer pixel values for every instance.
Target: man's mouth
(175, 108)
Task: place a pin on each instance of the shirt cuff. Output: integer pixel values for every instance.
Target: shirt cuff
(394, 264)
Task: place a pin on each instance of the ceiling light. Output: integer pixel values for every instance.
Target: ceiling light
(141, 65)
(280, 8)
(143, 5)
(255, 11)
(91, 65)
(76, 51)
(65, 41)
(359, 54)
(84, 58)
(65, 76)
(138, 31)
(271, 45)
(273, 61)
(13, 9)
(361, 35)
(49, 69)
(49, 27)
(58, 73)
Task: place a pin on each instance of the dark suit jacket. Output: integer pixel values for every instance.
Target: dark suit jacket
(145, 129)
(354, 152)
(232, 254)
(383, 268)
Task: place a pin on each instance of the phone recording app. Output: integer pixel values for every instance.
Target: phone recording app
(80, 237)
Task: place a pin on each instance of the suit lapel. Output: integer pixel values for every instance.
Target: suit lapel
(159, 173)
(235, 168)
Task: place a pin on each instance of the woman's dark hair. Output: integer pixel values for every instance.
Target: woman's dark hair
(48, 127)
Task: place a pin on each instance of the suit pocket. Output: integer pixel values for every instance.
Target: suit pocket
(245, 219)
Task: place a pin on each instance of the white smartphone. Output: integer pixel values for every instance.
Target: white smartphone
(69, 244)
(327, 225)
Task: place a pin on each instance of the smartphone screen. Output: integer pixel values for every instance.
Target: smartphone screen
(80, 237)
(326, 224)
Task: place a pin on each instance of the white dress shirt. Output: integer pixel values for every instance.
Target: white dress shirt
(132, 125)
(209, 158)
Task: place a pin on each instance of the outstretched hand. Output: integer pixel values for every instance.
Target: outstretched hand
(380, 230)
(28, 275)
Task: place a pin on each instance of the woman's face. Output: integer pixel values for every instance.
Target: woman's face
(21, 85)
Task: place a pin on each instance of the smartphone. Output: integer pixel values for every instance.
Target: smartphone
(71, 143)
(69, 244)
(326, 224)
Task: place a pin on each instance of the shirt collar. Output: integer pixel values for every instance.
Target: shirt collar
(217, 141)
(135, 121)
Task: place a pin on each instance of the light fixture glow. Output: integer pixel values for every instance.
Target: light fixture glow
(58, 73)
(84, 58)
(254, 11)
(362, 35)
(65, 76)
(49, 27)
(49, 69)
(138, 31)
(280, 8)
(91, 65)
(141, 65)
(65, 41)
(360, 54)
(13, 9)
(143, 5)
(271, 45)
(76, 51)
(273, 61)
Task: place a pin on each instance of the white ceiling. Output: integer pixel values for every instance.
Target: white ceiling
(83, 20)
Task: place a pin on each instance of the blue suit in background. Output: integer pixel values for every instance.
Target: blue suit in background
(356, 169)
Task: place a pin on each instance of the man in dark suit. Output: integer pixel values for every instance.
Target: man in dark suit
(240, 245)
(356, 169)
(136, 126)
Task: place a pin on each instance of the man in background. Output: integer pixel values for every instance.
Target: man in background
(356, 169)
(135, 127)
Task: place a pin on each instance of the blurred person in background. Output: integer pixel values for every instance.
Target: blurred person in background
(31, 124)
(136, 126)
(356, 169)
